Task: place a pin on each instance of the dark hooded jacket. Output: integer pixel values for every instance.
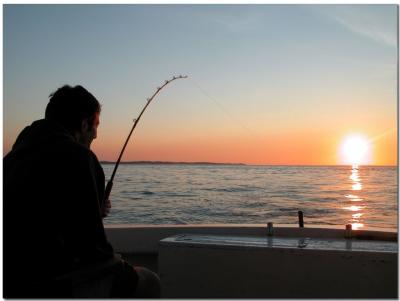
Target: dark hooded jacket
(52, 192)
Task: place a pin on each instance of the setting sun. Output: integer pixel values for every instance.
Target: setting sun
(355, 150)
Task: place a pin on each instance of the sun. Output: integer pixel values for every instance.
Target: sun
(355, 150)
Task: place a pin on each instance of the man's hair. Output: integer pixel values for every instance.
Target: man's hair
(69, 106)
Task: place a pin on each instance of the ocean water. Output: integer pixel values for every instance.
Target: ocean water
(190, 194)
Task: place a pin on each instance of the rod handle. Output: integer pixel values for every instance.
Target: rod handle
(107, 191)
(301, 219)
(348, 231)
(270, 229)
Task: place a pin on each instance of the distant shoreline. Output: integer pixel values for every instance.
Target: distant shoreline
(171, 163)
(232, 164)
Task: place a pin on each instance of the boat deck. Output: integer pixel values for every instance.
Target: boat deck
(244, 262)
(306, 243)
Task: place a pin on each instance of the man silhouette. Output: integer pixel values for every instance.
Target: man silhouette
(54, 239)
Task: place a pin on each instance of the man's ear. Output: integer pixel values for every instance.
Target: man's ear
(84, 125)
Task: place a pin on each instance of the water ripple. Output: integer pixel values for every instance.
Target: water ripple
(182, 194)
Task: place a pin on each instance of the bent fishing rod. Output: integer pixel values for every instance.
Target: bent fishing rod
(135, 122)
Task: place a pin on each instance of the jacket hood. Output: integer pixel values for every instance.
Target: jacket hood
(38, 134)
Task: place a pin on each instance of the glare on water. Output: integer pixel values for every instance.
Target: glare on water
(355, 219)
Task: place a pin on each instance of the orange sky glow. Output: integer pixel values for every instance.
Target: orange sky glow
(290, 149)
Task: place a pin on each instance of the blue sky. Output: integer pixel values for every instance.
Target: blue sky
(273, 69)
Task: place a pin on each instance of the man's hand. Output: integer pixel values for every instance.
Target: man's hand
(105, 210)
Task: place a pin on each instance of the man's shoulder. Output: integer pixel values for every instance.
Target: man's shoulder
(72, 147)
(81, 152)
(71, 152)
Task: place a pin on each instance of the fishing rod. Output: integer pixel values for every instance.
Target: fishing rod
(110, 183)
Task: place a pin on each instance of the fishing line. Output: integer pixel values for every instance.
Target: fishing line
(221, 107)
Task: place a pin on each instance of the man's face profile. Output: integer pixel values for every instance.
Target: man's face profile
(88, 133)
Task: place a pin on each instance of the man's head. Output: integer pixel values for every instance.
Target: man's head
(76, 110)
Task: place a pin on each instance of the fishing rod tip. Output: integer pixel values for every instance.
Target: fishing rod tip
(179, 76)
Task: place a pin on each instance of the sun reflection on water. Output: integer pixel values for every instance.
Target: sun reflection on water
(354, 208)
(357, 210)
(354, 198)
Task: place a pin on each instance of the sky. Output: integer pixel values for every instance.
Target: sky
(267, 84)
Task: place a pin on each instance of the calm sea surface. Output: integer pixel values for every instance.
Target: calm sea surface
(190, 194)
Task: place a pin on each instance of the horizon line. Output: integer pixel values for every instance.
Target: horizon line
(230, 163)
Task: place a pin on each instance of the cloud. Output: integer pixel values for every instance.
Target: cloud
(375, 22)
(369, 30)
